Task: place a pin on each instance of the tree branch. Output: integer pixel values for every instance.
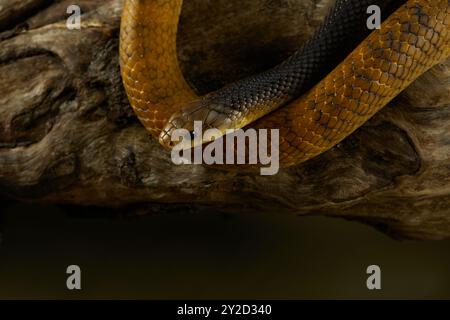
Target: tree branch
(68, 135)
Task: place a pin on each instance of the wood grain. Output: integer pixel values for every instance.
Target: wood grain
(69, 136)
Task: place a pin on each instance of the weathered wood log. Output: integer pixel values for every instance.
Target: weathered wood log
(68, 135)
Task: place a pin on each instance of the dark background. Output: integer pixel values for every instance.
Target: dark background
(209, 255)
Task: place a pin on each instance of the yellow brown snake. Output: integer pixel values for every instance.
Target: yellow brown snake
(411, 40)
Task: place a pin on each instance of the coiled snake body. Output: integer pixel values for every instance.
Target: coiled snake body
(414, 38)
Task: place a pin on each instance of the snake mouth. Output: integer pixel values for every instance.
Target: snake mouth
(189, 126)
(165, 138)
(172, 136)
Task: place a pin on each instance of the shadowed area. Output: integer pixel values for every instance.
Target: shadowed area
(210, 255)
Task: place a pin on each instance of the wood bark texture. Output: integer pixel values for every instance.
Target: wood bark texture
(69, 136)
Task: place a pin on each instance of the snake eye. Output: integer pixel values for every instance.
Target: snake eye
(192, 135)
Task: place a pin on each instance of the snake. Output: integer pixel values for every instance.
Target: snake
(331, 86)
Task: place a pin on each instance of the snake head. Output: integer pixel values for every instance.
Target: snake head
(195, 119)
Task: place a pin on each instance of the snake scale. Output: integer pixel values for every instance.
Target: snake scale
(316, 98)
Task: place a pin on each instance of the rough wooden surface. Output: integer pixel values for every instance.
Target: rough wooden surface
(67, 134)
